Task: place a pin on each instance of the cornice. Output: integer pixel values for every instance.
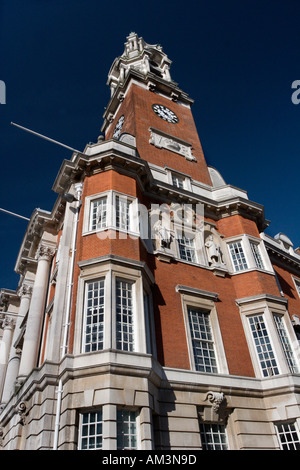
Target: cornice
(280, 254)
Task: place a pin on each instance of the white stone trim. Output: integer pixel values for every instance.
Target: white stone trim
(245, 240)
(165, 141)
(111, 213)
(110, 272)
(267, 306)
(203, 300)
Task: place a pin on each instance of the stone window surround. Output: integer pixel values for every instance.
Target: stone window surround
(203, 300)
(111, 215)
(297, 284)
(268, 305)
(245, 240)
(288, 422)
(109, 424)
(105, 268)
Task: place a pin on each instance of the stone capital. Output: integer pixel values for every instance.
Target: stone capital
(45, 252)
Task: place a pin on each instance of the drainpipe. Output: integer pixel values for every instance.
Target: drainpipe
(69, 198)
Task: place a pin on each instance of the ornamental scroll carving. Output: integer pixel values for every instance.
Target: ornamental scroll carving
(167, 142)
(215, 398)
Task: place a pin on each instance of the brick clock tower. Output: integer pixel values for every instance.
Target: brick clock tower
(152, 310)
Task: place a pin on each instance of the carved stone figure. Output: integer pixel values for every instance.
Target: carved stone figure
(164, 236)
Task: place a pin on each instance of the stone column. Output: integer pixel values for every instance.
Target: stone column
(15, 353)
(5, 344)
(36, 311)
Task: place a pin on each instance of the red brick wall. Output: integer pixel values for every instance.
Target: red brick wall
(237, 225)
(287, 285)
(171, 333)
(139, 117)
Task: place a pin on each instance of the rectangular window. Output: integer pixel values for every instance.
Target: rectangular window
(177, 181)
(257, 255)
(94, 316)
(98, 214)
(91, 431)
(213, 436)
(297, 284)
(187, 250)
(126, 430)
(263, 346)
(202, 341)
(238, 256)
(124, 316)
(285, 343)
(122, 213)
(288, 436)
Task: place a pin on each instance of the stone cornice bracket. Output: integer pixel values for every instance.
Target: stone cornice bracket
(45, 252)
(21, 410)
(215, 398)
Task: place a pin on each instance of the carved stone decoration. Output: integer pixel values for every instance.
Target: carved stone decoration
(45, 252)
(215, 398)
(25, 290)
(21, 410)
(214, 253)
(165, 141)
(8, 323)
(162, 242)
(164, 235)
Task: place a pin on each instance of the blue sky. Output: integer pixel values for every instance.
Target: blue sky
(236, 59)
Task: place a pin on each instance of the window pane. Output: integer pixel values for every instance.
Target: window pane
(213, 436)
(94, 316)
(238, 256)
(263, 346)
(124, 316)
(285, 343)
(288, 436)
(91, 431)
(187, 249)
(202, 341)
(178, 181)
(122, 213)
(126, 430)
(98, 218)
(257, 255)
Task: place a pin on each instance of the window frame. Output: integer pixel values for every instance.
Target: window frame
(290, 344)
(192, 248)
(203, 300)
(297, 284)
(296, 430)
(203, 432)
(208, 344)
(80, 427)
(247, 241)
(270, 349)
(85, 308)
(137, 427)
(92, 270)
(268, 306)
(111, 213)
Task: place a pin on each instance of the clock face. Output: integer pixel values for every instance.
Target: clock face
(165, 113)
(118, 127)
